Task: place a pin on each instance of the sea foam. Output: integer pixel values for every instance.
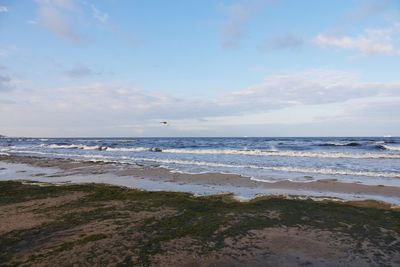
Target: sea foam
(312, 154)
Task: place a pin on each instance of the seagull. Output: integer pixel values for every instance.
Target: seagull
(164, 122)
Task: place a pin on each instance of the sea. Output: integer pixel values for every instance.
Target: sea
(364, 160)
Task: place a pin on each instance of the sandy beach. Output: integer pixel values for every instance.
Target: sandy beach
(94, 224)
(61, 211)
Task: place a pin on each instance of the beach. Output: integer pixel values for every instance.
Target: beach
(69, 211)
(200, 133)
(96, 224)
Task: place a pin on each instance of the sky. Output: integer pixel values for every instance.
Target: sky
(85, 68)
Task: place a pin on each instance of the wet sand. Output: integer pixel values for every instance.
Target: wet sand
(103, 225)
(70, 217)
(156, 178)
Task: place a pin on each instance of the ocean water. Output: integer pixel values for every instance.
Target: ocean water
(366, 160)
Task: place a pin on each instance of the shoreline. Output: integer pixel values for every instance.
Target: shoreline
(60, 170)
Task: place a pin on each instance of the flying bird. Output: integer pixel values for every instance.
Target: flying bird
(164, 122)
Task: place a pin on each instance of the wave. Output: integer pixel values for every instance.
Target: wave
(127, 149)
(102, 148)
(393, 148)
(255, 152)
(379, 145)
(351, 144)
(326, 171)
(285, 153)
(84, 147)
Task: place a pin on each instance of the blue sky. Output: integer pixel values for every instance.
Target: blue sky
(210, 68)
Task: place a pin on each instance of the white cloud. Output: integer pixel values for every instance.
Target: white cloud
(307, 88)
(3, 9)
(373, 109)
(288, 99)
(277, 92)
(100, 16)
(372, 42)
(365, 45)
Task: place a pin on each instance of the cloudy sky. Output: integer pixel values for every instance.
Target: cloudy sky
(210, 68)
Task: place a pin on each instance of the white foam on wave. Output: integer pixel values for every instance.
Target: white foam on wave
(270, 153)
(126, 149)
(392, 147)
(102, 148)
(277, 168)
(73, 146)
(312, 154)
(340, 144)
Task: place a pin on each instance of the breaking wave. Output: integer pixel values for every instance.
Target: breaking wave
(126, 149)
(341, 144)
(101, 148)
(312, 154)
(270, 153)
(392, 148)
(327, 171)
(84, 147)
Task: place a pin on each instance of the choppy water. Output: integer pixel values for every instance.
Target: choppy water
(368, 160)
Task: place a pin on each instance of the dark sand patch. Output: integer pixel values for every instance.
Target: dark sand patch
(24, 215)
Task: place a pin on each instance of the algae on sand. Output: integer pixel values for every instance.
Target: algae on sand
(116, 225)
